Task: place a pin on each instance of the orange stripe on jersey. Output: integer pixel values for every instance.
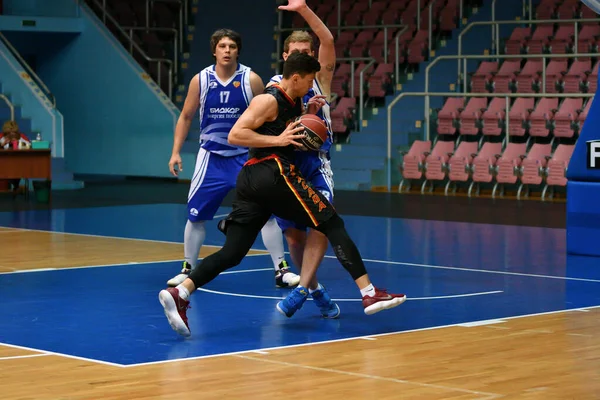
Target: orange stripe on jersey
(287, 96)
(287, 181)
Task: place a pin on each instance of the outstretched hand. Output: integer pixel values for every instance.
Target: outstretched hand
(294, 5)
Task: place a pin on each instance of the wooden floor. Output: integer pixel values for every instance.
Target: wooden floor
(553, 356)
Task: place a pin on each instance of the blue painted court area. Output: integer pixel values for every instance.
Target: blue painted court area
(452, 273)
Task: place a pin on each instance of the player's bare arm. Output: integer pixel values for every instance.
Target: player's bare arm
(327, 57)
(192, 101)
(256, 83)
(263, 108)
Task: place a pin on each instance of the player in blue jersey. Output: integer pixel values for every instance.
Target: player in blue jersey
(307, 249)
(221, 92)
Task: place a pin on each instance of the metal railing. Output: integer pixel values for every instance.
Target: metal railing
(134, 46)
(494, 32)
(361, 101)
(182, 6)
(183, 15)
(10, 106)
(453, 94)
(29, 70)
(176, 47)
(430, 41)
(496, 28)
(385, 28)
(481, 57)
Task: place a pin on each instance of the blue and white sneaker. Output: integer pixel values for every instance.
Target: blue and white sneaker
(293, 302)
(328, 308)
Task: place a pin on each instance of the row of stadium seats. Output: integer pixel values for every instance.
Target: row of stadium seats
(526, 76)
(524, 163)
(556, 38)
(561, 118)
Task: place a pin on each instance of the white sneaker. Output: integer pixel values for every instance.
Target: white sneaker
(178, 280)
(284, 278)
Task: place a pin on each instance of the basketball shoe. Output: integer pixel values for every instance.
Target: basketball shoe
(293, 302)
(381, 301)
(176, 310)
(328, 308)
(284, 278)
(185, 272)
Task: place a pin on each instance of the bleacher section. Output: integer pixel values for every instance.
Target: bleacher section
(472, 144)
(165, 21)
(370, 42)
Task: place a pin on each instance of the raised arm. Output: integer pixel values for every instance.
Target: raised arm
(263, 108)
(327, 57)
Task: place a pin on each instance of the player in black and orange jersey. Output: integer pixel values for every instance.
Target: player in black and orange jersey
(270, 184)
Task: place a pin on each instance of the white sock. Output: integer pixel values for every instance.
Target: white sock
(272, 237)
(183, 292)
(193, 239)
(318, 288)
(368, 291)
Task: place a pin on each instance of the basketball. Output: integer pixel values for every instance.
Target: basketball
(315, 130)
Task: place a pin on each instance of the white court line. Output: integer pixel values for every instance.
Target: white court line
(482, 323)
(373, 377)
(253, 296)
(485, 271)
(28, 271)
(372, 336)
(52, 353)
(25, 356)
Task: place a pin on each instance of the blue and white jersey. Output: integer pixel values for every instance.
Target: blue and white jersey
(221, 104)
(324, 113)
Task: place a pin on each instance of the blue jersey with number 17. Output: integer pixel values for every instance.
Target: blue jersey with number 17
(221, 104)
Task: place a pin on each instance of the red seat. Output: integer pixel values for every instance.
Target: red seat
(556, 169)
(413, 162)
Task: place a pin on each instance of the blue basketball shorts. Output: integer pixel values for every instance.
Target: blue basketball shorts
(214, 176)
(316, 169)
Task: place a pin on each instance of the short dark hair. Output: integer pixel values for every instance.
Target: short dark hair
(228, 33)
(300, 63)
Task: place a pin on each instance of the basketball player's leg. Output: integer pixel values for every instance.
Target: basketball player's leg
(319, 175)
(272, 237)
(239, 239)
(305, 205)
(213, 179)
(241, 228)
(311, 246)
(310, 249)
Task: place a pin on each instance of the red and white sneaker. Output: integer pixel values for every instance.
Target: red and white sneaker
(175, 310)
(382, 300)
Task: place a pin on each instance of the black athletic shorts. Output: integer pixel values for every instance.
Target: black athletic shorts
(272, 185)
